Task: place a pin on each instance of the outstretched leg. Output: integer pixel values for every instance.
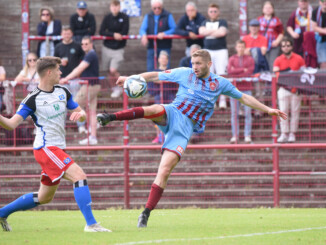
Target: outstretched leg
(154, 112)
(168, 161)
(26, 202)
(83, 197)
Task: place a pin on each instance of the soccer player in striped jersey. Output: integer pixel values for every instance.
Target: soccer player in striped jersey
(188, 113)
(48, 105)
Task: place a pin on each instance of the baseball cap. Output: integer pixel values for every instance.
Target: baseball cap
(254, 22)
(81, 5)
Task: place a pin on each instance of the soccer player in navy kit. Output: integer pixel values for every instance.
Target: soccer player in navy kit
(47, 105)
(188, 113)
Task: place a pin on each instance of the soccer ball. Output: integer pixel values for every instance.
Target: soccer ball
(135, 86)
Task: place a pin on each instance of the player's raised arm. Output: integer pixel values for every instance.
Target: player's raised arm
(11, 123)
(255, 104)
(148, 76)
(78, 114)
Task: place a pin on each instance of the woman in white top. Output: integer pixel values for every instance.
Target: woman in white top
(29, 74)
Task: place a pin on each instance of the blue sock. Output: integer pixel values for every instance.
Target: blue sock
(84, 201)
(24, 202)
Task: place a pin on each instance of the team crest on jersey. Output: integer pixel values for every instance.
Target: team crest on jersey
(67, 160)
(167, 71)
(61, 97)
(180, 150)
(212, 86)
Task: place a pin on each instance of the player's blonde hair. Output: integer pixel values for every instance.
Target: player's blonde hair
(204, 54)
(45, 63)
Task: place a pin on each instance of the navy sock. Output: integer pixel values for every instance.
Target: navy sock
(84, 201)
(25, 202)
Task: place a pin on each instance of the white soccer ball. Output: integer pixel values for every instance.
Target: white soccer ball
(135, 86)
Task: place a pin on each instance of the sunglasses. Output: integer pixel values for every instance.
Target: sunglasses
(45, 14)
(287, 46)
(30, 60)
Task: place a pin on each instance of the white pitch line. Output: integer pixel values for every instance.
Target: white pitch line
(221, 237)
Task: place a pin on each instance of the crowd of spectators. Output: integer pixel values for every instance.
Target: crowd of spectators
(266, 40)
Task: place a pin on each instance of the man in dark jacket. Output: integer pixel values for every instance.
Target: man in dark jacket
(158, 22)
(189, 24)
(82, 23)
(114, 25)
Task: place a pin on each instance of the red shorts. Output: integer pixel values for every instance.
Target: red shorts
(54, 162)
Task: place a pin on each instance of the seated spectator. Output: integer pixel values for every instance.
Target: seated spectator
(115, 24)
(158, 22)
(256, 46)
(288, 97)
(215, 31)
(71, 55)
(82, 22)
(241, 65)
(319, 26)
(186, 61)
(88, 68)
(2, 78)
(47, 27)
(272, 28)
(29, 74)
(298, 23)
(189, 24)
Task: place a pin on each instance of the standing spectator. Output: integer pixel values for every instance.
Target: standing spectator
(288, 97)
(49, 144)
(256, 46)
(69, 51)
(2, 78)
(186, 61)
(319, 26)
(88, 68)
(28, 73)
(158, 22)
(272, 28)
(47, 27)
(215, 31)
(298, 23)
(115, 24)
(82, 23)
(242, 65)
(189, 25)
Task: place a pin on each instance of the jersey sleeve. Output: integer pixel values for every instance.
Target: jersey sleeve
(230, 90)
(27, 107)
(71, 104)
(173, 75)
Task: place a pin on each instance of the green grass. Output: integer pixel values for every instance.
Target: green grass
(178, 226)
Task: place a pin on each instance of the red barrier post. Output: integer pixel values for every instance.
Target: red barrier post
(276, 178)
(126, 156)
(274, 105)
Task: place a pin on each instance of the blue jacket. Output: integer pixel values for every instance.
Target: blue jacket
(185, 26)
(166, 24)
(41, 31)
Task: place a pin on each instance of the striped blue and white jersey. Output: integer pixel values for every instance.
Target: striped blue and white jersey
(196, 97)
(48, 111)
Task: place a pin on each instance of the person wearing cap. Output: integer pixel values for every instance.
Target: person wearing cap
(298, 23)
(256, 46)
(82, 23)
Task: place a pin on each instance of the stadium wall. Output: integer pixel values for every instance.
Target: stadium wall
(10, 27)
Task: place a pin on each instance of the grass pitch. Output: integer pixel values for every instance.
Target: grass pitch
(178, 226)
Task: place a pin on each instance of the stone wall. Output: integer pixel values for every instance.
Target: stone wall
(135, 56)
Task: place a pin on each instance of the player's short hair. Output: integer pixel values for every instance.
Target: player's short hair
(204, 54)
(46, 63)
(88, 38)
(214, 5)
(115, 2)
